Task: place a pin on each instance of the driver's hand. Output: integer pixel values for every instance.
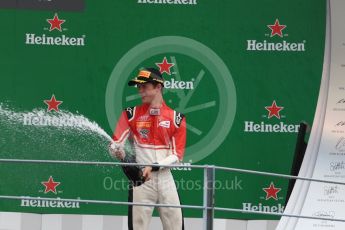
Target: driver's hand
(147, 173)
(116, 152)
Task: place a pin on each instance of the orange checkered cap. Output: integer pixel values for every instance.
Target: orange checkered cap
(147, 75)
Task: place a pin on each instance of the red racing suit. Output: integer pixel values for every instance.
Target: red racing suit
(157, 136)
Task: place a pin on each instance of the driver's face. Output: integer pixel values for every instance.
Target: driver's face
(147, 92)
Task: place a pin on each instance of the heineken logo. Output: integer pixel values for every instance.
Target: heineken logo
(165, 66)
(185, 168)
(262, 127)
(53, 116)
(63, 40)
(169, 81)
(271, 192)
(174, 84)
(273, 112)
(50, 186)
(55, 24)
(254, 45)
(41, 203)
(276, 30)
(172, 2)
(52, 103)
(41, 119)
(263, 208)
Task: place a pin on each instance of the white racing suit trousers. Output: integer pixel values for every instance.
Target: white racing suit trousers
(161, 189)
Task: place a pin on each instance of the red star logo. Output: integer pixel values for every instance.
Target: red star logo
(271, 192)
(274, 110)
(53, 104)
(55, 23)
(276, 29)
(50, 185)
(165, 66)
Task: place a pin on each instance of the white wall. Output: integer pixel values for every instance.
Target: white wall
(25, 221)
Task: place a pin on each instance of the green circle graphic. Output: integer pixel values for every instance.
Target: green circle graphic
(189, 47)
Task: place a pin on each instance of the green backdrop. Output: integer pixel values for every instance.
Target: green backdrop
(229, 69)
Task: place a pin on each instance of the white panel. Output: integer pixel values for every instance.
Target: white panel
(124, 223)
(156, 223)
(10, 220)
(27, 221)
(236, 224)
(300, 189)
(193, 223)
(257, 225)
(272, 224)
(325, 200)
(72, 222)
(92, 222)
(31, 221)
(52, 222)
(114, 222)
(219, 224)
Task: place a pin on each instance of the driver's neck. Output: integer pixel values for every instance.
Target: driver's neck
(157, 101)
